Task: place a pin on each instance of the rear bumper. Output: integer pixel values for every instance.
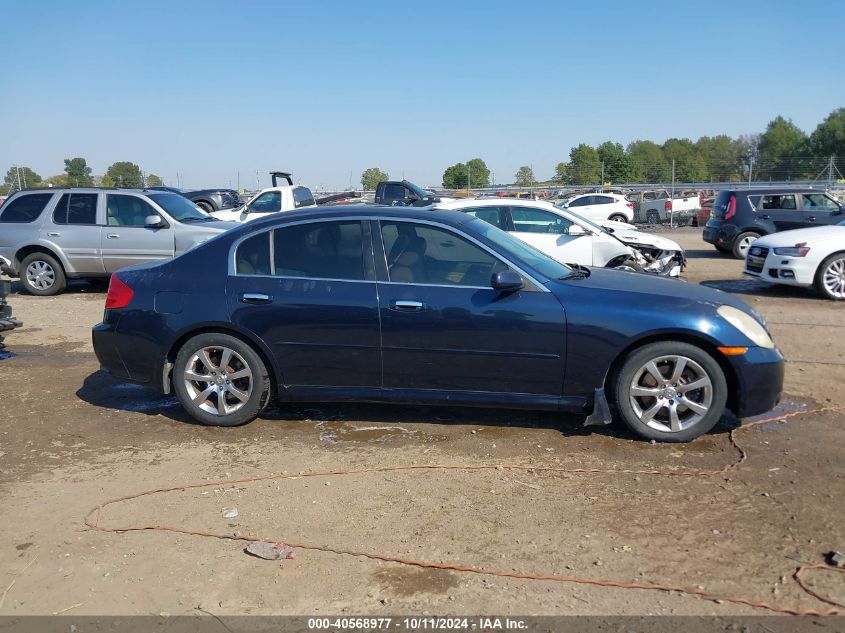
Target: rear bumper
(760, 375)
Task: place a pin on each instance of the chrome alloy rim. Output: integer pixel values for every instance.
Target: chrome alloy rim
(671, 393)
(745, 244)
(40, 275)
(218, 380)
(834, 278)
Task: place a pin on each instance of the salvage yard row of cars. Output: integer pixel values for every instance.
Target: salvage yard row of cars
(489, 302)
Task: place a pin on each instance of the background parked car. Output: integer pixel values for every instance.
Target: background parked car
(803, 257)
(210, 200)
(51, 235)
(600, 206)
(740, 216)
(656, 206)
(445, 309)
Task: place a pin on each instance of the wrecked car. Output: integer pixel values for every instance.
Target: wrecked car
(7, 321)
(572, 239)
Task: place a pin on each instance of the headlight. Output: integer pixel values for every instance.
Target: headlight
(799, 250)
(746, 324)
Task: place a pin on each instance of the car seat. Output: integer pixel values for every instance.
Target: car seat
(406, 262)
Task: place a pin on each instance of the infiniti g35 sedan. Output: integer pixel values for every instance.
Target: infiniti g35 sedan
(389, 304)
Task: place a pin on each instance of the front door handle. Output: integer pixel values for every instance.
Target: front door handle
(812, 218)
(112, 236)
(408, 306)
(255, 297)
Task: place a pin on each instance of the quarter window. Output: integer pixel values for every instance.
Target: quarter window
(124, 210)
(76, 208)
(25, 208)
(528, 220)
(321, 250)
(253, 256)
(423, 254)
(778, 202)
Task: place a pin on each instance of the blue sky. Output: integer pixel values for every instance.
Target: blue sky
(325, 89)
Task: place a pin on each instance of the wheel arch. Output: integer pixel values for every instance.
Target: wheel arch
(692, 338)
(25, 251)
(260, 349)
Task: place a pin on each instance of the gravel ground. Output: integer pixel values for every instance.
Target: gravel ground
(71, 437)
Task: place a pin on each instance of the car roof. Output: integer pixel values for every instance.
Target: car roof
(491, 202)
(142, 192)
(340, 211)
(773, 190)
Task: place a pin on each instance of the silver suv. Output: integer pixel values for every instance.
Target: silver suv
(52, 235)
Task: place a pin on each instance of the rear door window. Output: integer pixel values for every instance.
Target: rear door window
(320, 250)
(491, 215)
(778, 202)
(25, 208)
(582, 202)
(529, 220)
(76, 208)
(603, 200)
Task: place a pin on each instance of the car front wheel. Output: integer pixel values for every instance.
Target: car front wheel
(42, 275)
(830, 277)
(220, 380)
(618, 217)
(670, 391)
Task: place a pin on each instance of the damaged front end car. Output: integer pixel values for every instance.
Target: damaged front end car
(653, 253)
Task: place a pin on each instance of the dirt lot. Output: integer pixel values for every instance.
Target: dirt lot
(71, 437)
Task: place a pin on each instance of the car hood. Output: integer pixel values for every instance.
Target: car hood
(639, 238)
(217, 225)
(681, 294)
(617, 226)
(790, 238)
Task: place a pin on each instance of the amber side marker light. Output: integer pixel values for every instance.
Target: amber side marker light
(732, 351)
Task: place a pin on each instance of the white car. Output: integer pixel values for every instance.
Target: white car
(572, 239)
(802, 257)
(600, 206)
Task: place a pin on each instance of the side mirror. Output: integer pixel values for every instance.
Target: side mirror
(507, 280)
(154, 222)
(576, 230)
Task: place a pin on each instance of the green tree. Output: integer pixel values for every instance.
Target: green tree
(584, 165)
(477, 173)
(524, 176)
(561, 174)
(78, 172)
(616, 164)
(782, 151)
(153, 181)
(20, 178)
(723, 156)
(455, 177)
(689, 164)
(647, 162)
(125, 175)
(371, 177)
(828, 139)
(59, 180)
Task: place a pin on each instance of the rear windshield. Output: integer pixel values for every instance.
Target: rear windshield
(25, 208)
(302, 197)
(720, 205)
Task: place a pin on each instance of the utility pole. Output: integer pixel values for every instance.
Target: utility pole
(750, 169)
(601, 184)
(830, 173)
(672, 197)
(469, 177)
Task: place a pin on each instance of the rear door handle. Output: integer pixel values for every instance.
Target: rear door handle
(255, 297)
(112, 236)
(812, 218)
(408, 306)
(765, 217)
(53, 234)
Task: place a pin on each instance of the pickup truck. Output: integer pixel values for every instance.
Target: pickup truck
(401, 193)
(271, 200)
(657, 206)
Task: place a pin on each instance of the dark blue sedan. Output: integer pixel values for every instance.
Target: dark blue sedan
(429, 307)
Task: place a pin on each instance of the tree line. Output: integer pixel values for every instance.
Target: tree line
(77, 173)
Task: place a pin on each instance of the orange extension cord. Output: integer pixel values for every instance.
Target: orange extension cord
(798, 575)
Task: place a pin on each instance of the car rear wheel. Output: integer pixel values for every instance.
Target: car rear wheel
(652, 217)
(220, 380)
(618, 217)
(670, 391)
(830, 277)
(42, 275)
(742, 243)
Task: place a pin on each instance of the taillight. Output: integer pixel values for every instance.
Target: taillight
(630, 205)
(119, 294)
(731, 208)
(667, 206)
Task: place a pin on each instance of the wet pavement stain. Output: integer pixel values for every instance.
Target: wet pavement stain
(408, 582)
(347, 433)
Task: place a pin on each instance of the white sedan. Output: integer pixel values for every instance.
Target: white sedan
(572, 239)
(600, 206)
(803, 257)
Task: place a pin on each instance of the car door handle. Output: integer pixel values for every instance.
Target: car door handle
(53, 234)
(255, 297)
(113, 236)
(407, 306)
(812, 218)
(765, 217)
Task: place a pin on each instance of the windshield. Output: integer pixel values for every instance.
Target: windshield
(179, 208)
(529, 255)
(422, 193)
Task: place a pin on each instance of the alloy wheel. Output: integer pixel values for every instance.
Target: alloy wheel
(671, 393)
(745, 244)
(834, 278)
(218, 380)
(40, 275)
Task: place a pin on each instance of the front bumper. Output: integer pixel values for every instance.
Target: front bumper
(777, 269)
(759, 373)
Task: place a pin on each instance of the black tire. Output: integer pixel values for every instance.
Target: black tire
(652, 217)
(742, 243)
(836, 264)
(46, 278)
(629, 265)
(243, 356)
(693, 424)
(205, 206)
(618, 217)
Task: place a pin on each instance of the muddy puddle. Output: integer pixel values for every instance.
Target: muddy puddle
(389, 434)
